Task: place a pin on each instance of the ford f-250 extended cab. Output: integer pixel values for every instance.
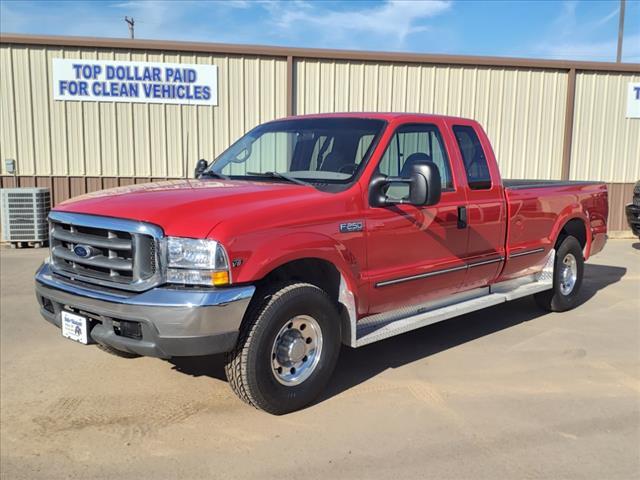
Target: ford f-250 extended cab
(312, 232)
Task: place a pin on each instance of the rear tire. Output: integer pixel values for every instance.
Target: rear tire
(567, 278)
(287, 350)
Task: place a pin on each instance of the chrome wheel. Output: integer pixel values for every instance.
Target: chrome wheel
(296, 350)
(568, 274)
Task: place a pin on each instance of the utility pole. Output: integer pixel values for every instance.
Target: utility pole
(620, 31)
(131, 22)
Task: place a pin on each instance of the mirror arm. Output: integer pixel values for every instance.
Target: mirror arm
(397, 180)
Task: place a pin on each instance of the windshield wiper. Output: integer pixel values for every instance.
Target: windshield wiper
(279, 175)
(211, 174)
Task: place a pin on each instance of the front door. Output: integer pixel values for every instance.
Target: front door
(415, 254)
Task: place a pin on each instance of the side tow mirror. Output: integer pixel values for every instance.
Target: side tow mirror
(425, 187)
(201, 166)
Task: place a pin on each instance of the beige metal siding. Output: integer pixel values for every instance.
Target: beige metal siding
(606, 144)
(48, 137)
(521, 110)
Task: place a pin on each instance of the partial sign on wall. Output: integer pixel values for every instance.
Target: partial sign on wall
(633, 100)
(142, 82)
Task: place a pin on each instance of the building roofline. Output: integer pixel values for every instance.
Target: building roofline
(313, 53)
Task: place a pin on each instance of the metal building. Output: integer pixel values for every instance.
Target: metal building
(547, 119)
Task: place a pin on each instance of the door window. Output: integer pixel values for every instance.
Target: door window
(473, 157)
(414, 144)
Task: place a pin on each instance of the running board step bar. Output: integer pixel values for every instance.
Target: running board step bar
(385, 325)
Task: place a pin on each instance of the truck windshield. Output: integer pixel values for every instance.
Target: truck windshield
(315, 150)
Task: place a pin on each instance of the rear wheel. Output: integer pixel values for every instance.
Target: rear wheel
(567, 278)
(287, 349)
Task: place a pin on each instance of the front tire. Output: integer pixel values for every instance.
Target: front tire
(287, 350)
(567, 278)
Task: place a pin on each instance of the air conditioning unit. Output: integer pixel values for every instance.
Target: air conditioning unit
(24, 216)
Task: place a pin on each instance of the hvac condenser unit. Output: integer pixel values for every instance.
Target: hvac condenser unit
(24, 215)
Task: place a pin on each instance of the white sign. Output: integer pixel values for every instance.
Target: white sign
(144, 82)
(633, 100)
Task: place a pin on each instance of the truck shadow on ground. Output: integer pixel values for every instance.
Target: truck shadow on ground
(356, 366)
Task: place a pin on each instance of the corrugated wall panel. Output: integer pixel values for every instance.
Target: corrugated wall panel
(522, 110)
(8, 147)
(58, 115)
(40, 103)
(92, 130)
(48, 137)
(23, 111)
(141, 128)
(108, 126)
(125, 130)
(75, 129)
(606, 144)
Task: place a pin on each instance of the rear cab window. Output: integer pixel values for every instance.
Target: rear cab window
(473, 157)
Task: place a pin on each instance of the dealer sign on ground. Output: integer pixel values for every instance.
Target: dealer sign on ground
(143, 82)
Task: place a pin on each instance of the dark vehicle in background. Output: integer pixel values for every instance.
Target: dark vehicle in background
(633, 211)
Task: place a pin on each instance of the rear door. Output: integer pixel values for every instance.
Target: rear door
(415, 254)
(486, 208)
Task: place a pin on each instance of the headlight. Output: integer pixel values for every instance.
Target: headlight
(196, 262)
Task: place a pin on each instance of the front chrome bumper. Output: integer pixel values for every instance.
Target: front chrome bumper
(169, 321)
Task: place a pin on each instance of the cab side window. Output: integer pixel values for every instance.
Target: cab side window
(473, 157)
(414, 144)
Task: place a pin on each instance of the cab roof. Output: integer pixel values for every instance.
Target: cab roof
(378, 115)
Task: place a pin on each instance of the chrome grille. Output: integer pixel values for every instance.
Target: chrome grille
(107, 251)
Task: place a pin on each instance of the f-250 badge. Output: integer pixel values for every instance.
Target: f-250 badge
(351, 227)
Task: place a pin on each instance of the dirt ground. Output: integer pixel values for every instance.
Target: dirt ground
(509, 392)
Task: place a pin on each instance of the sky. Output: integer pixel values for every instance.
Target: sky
(570, 29)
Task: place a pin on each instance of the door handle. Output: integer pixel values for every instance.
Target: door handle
(462, 217)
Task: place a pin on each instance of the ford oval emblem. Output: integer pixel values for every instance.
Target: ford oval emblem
(83, 251)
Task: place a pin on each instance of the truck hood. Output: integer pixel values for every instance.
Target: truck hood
(187, 208)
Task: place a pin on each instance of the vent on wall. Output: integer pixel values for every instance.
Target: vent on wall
(24, 215)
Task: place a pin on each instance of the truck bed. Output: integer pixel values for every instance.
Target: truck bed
(537, 209)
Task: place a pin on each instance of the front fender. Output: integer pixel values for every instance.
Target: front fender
(277, 251)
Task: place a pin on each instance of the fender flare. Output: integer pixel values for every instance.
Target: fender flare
(301, 246)
(563, 219)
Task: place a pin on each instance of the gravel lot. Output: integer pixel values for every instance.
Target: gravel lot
(509, 392)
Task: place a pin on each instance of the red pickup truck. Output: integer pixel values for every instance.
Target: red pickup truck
(308, 233)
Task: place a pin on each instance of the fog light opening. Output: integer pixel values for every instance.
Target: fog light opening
(129, 329)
